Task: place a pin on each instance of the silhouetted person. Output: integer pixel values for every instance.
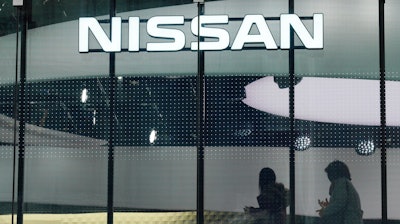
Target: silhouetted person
(344, 206)
(272, 200)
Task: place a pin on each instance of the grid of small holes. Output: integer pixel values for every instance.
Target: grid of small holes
(147, 102)
(229, 122)
(393, 133)
(246, 153)
(155, 153)
(335, 137)
(161, 104)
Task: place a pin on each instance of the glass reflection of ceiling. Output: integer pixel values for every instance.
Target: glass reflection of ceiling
(46, 12)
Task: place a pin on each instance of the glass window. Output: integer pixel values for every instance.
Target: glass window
(242, 140)
(392, 105)
(155, 154)
(129, 122)
(337, 105)
(8, 127)
(66, 118)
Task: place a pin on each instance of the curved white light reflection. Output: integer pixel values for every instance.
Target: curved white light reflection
(331, 100)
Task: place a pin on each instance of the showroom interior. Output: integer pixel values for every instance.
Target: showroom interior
(124, 112)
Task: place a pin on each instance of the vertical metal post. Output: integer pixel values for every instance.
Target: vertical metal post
(200, 122)
(292, 122)
(25, 10)
(111, 93)
(15, 113)
(382, 68)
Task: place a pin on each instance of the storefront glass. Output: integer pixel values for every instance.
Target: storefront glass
(155, 154)
(66, 119)
(7, 94)
(120, 136)
(241, 140)
(392, 75)
(337, 108)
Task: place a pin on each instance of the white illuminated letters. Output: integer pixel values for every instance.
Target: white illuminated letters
(292, 20)
(264, 36)
(86, 24)
(133, 24)
(169, 28)
(154, 30)
(218, 33)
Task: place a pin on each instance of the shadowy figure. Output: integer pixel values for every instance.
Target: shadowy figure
(344, 206)
(272, 200)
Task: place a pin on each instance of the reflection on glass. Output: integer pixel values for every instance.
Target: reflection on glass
(65, 151)
(247, 112)
(272, 200)
(232, 179)
(155, 154)
(312, 183)
(341, 109)
(8, 25)
(365, 147)
(344, 204)
(153, 136)
(302, 143)
(84, 96)
(392, 69)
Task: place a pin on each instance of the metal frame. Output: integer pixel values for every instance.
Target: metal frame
(111, 92)
(292, 154)
(382, 68)
(200, 95)
(25, 12)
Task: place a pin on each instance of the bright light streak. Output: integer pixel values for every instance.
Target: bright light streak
(84, 95)
(153, 136)
(94, 117)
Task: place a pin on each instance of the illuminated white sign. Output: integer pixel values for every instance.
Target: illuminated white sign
(157, 27)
